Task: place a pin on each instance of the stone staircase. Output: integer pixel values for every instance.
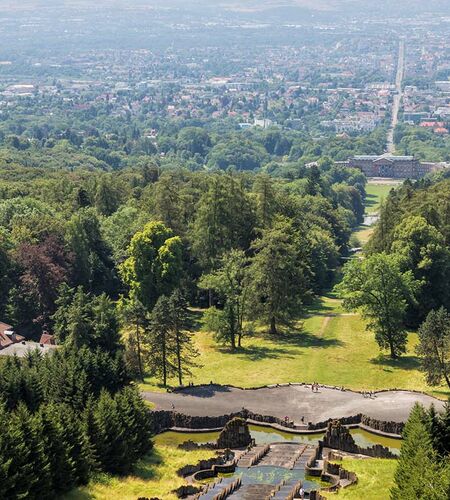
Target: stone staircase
(287, 490)
(221, 489)
(253, 456)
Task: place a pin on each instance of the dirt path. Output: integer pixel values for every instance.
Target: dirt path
(325, 322)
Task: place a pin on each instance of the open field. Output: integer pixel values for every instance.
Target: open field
(376, 192)
(375, 478)
(154, 476)
(363, 233)
(328, 346)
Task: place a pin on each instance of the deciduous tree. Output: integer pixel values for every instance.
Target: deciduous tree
(377, 286)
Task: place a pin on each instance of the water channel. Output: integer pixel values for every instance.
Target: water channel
(265, 435)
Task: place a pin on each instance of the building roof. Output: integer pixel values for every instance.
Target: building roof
(47, 339)
(15, 337)
(383, 157)
(4, 327)
(5, 341)
(21, 349)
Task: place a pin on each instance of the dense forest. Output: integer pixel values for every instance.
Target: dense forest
(109, 260)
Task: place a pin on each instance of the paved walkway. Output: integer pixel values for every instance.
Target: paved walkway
(294, 401)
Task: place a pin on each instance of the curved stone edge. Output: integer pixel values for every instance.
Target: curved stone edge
(164, 420)
(324, 386)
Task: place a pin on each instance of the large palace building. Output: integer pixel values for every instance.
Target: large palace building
(397, 167)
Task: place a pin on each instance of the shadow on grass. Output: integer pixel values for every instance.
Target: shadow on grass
(404, 363)
(195, 319)
(442, 393)
(307, 339)
(371, 201)
(256, 353)
(204, 391)
(318, 307)
(145, 468)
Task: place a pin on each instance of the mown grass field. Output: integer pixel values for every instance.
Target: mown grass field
(154, 476)
(328, 346)
(376, 193)
(375, 479)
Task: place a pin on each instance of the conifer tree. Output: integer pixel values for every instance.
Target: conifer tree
(30, 460)
(76, 442)
(160, 340)
(62, 471)
(109, 441)
(184, 350)
(418, 474)
(9, 449)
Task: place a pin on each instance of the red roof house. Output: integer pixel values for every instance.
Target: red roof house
(5, 327)
(47, 339)
(5, 341)
(8, 336)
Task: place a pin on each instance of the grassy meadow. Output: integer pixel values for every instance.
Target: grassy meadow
(376, 192)
(375, 478)
(326, 345)
(153, 476)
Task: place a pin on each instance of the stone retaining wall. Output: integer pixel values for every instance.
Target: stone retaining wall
(338, 437)
(387, 427)
(164, 420)
(189, 470)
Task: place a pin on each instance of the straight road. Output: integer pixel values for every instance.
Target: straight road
(397, 96)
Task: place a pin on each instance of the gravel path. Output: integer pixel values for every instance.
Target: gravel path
(294, 401)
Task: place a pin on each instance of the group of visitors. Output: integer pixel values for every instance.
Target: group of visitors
(315, 387)
(368, 394)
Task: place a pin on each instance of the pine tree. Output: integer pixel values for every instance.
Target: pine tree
(56, 449)
(76, 443)
(105, 324)
(418, 474)
(9, 451)
(184, 349)
(444, 432)
(30, 461)
(160, 341)
(277, 275)
(110, 442)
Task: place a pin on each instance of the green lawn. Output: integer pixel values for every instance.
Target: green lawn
(154, 476)
(363, 233)
(328, 346)
(375, 479)
(376, 192)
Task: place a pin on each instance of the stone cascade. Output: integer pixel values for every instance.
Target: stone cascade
(221, 489)
(234, 435)
(338, 437)
(253, 456)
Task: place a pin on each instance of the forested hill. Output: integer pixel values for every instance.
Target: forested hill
(415, 225)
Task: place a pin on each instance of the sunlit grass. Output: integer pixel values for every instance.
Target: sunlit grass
(375, 479)
(327, 345)
(154, 476)
(376, 192)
